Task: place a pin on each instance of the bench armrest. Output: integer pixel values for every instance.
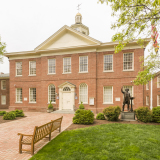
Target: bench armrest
(24, 134)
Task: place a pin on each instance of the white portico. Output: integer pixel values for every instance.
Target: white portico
(66, 96)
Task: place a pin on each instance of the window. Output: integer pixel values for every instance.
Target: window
(18, 68)
(32, 68)
(67, 89)
(158, 100)
(83, 64)
(51, 93)
(32, 95)
(130, 89)
(3, 85)
(158, 82)
(3, 99)
(147, 86)
(67, 65)
(51, 66)
(19, 95)
(107, 94)
(83, 93)
(147, 100)
(127, 61)
(108, 62)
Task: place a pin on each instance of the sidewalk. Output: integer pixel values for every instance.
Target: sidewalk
(9, 140)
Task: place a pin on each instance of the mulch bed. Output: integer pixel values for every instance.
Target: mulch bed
(99, 122)
(4, 121)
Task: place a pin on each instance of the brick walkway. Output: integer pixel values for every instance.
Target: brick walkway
(9, 140)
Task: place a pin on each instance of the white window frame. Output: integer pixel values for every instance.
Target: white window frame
(18, 95)
(30, 69)
(30, 97)
(2, 85)
(49, 94)
(158, 82)
(147, 100)
(147, 86)
(2, 99)
(53, 66)
(111, 102)
(104, 63)
(79, 65)
(70, 65)
(132, 62)
(17, 68)
(158, 97)
(80, 94)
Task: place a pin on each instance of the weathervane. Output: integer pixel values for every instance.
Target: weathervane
(78, 7)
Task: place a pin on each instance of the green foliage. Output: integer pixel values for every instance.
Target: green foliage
(50, 106)
(18, 113)
(81, 106)
(100, 116)
(143, 114)
(134, 22)
(2, 49)
(112, 113)
(156, 114)
(2, 113)
(9, 116)
(83, 117)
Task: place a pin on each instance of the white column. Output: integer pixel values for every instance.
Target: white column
(151, 97)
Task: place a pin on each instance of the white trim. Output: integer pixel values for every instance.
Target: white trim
(30, 68)
(132, 62)
(112, 95)
(151, 98)
(158, 100)
(16, 96)
(147, 100)
(147, 86)
(158, 86)
(108, 71)
(79, 94)
(2, 84)
(48, 66)
(48, 94)
(103, 63)
(2, 100)
(63, 65)
(87, 64)
(29, 96)
(16, 70)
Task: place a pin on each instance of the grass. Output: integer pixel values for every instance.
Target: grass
(105, 142)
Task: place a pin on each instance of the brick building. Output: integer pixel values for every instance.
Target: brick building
(4, 91)
(70, 67)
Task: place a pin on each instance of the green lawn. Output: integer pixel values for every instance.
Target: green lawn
(109, 141)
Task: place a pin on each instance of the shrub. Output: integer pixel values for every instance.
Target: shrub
(143, 114)
(112, 113)
(100, 116)
(2, 113)
(9, 116)
(18, 113)
(50, 106)
(83, 117)
(81, 106)
(156, 114)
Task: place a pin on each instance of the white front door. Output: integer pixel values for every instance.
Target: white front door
(67, 101)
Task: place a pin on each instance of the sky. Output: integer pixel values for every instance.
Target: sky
(24, 24)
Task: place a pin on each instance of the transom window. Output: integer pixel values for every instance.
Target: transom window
(32, 66)
(3, 85)
(18, 94)
(108, 94)
(158, 82)
(67, 65)
(3, 99)
(158, 100)
(147, 100)
(83, 64)
(128, 61)
(51, 93)
(147, 86)
(51, 66)
(66, 89)
(32, 95)
(83, 93)
(18, 68)
(108, 62)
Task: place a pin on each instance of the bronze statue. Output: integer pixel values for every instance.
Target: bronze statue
(126, 99)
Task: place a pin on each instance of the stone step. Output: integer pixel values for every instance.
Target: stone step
(63, 111)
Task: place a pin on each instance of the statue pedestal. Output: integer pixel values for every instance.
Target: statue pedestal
(127, 116)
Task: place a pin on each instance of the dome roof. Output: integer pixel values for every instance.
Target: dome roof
(78, 14)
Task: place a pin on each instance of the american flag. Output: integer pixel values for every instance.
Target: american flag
(154, 36)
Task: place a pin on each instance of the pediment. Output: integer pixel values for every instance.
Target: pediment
(67, 84)
(66, 37)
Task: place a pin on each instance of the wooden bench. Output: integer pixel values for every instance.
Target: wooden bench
(38, 134)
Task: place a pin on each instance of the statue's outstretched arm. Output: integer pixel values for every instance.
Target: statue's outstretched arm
(122, 90)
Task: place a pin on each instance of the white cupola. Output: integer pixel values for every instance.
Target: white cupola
(78, 26)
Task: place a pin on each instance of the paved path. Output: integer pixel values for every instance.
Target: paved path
(9, 140)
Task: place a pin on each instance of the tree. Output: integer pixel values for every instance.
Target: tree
(2, 49)
(137, 20)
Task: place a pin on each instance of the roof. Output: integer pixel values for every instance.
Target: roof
(5, 75)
